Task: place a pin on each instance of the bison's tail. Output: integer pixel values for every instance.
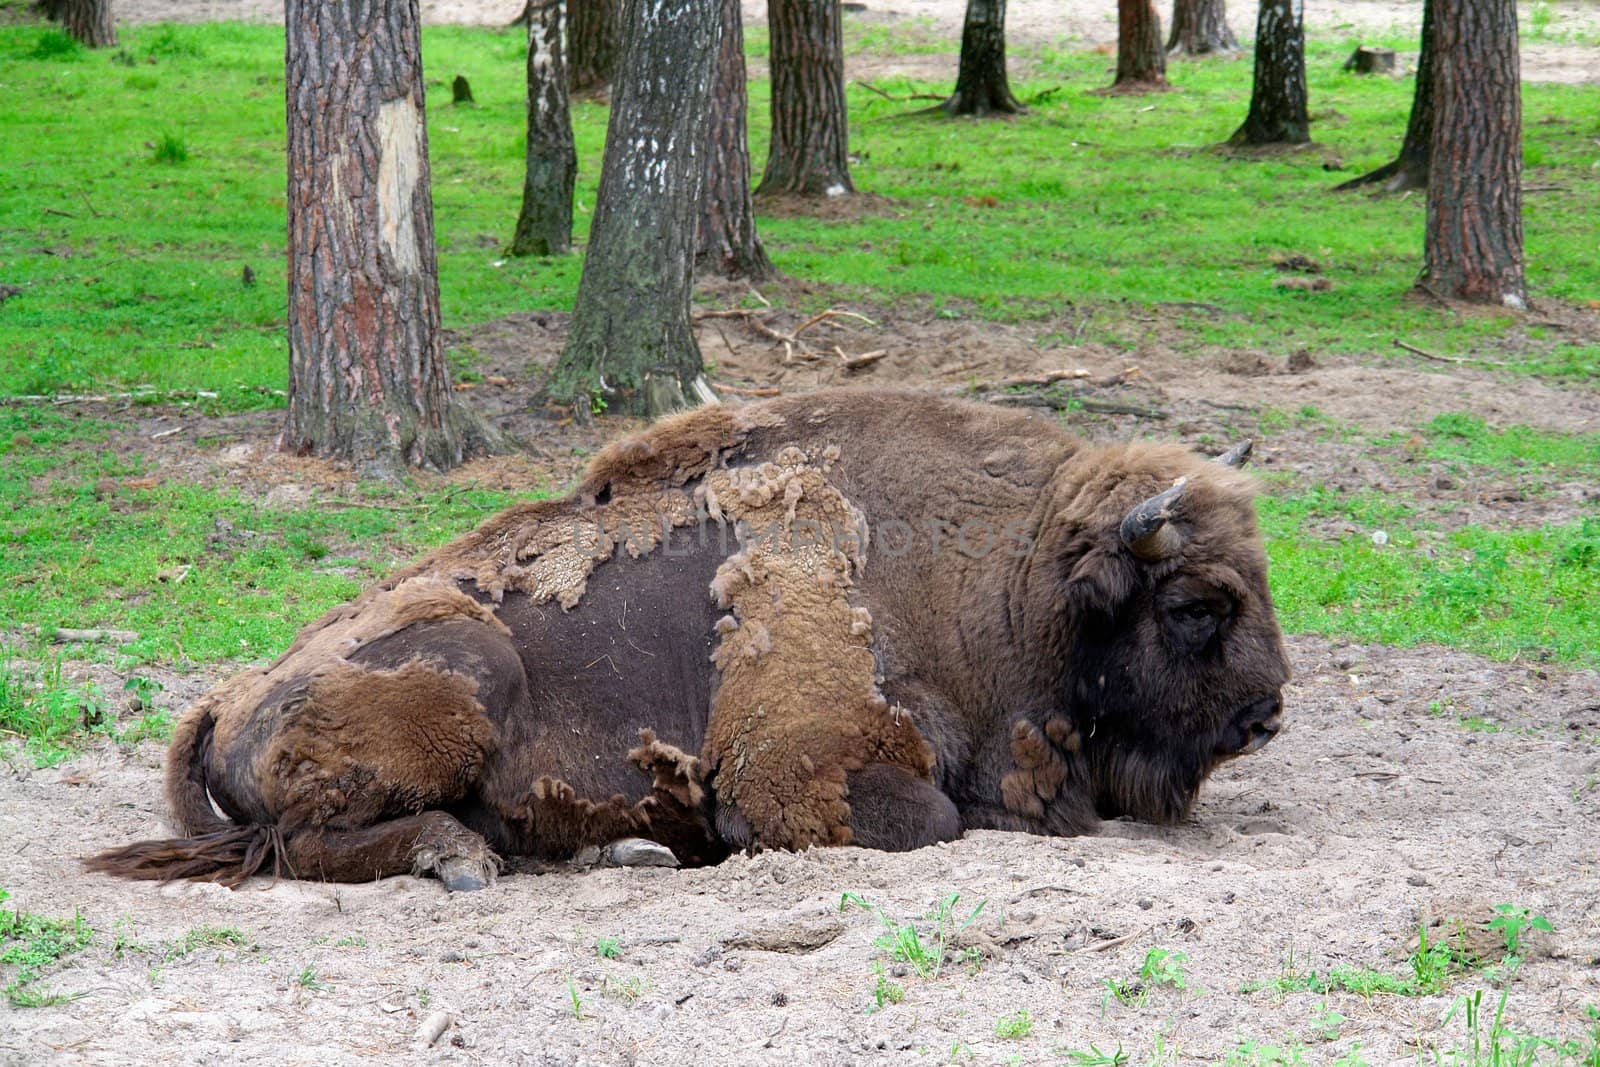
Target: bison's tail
(227, 856)
(186, 773)
(215, 848)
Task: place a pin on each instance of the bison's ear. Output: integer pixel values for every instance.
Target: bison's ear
(1100, 580)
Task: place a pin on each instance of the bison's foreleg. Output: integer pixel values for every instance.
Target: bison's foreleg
(430, 843)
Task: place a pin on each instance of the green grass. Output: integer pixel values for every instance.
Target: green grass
(32, 943)
(83, 548)
(924, 950)
(1503, 593)
(132, 197)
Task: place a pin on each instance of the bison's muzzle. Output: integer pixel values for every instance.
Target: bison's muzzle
(1254, 725)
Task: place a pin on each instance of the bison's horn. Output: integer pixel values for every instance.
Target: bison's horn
(1145, 530)
(1238, 455)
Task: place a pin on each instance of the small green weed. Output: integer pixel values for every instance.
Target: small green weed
(1511, 920)
(1162, 969)
(170, 149)
(1325, 1023)
(1094, 1057)
(628, 990)
(905, 944)
(573, 1000)
(205, 937)
(608, 948)
(885, 990)
(1014, 1027)
(309, 979)
(32, 943)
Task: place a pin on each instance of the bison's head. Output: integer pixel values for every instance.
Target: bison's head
(1173, 659)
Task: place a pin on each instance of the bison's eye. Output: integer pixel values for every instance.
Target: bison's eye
(1194, 622)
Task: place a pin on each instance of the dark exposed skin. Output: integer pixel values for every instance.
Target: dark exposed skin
(1063, 675)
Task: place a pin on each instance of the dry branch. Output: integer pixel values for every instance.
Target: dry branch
(1461, 360)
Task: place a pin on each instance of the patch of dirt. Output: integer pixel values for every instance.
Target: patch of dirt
(751, 351)
(1377, 809)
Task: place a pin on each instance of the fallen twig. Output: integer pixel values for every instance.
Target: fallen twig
(822, 316)
(1116, 407)
(1464, 360)
(865, 359)
(68, 634)
(1102, 946)
(898, 99)
(1047, 378)
(157, 395)
(166, 433)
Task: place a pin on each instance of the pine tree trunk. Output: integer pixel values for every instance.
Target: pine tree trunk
(593, 43)
(1473, 249)
(1200, 28)
(544, 228)
(1410, 169)
(809, 153)
(631, 348)
(367, 376)
(87, 21)
(1141, 63)
(727, 244)
(981, 85)
(1278, 100)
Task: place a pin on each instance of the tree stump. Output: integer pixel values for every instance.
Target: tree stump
(1369, 60)
(460, 91)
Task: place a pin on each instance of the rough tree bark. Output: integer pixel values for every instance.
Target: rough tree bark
(1278, 112)
(593, 44)
(544, 228)
(631, 348)
(1200, 28)
(1473, 248)
(1141, 63)
(727, 244)
(88, 21)
(1410, 169)
(981, 85)
(367, 376)
(809, 151)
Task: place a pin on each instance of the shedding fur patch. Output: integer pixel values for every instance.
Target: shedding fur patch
(798, 706)
(236, 704)
(365, 745)
(1040, 772)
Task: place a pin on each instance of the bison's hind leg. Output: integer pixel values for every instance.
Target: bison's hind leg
(430, 843)
(894, 810)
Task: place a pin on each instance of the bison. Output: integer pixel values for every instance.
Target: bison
(844, 617)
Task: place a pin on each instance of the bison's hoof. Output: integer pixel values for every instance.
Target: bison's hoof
(461, 875)
(637, 852)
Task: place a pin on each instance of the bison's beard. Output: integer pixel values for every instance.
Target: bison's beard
(1153, 786)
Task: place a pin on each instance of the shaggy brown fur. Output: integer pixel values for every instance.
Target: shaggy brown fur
(798, 706)
(1004, 654)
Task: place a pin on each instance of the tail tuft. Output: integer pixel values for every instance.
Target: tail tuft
(226, 856)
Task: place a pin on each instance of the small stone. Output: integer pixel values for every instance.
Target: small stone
(1416, 880)
(1442, 481)
(451, 956)
(1145, 903)
(780, 999)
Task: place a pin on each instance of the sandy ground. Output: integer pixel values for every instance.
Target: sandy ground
(1377, 810)
(1549, 56)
